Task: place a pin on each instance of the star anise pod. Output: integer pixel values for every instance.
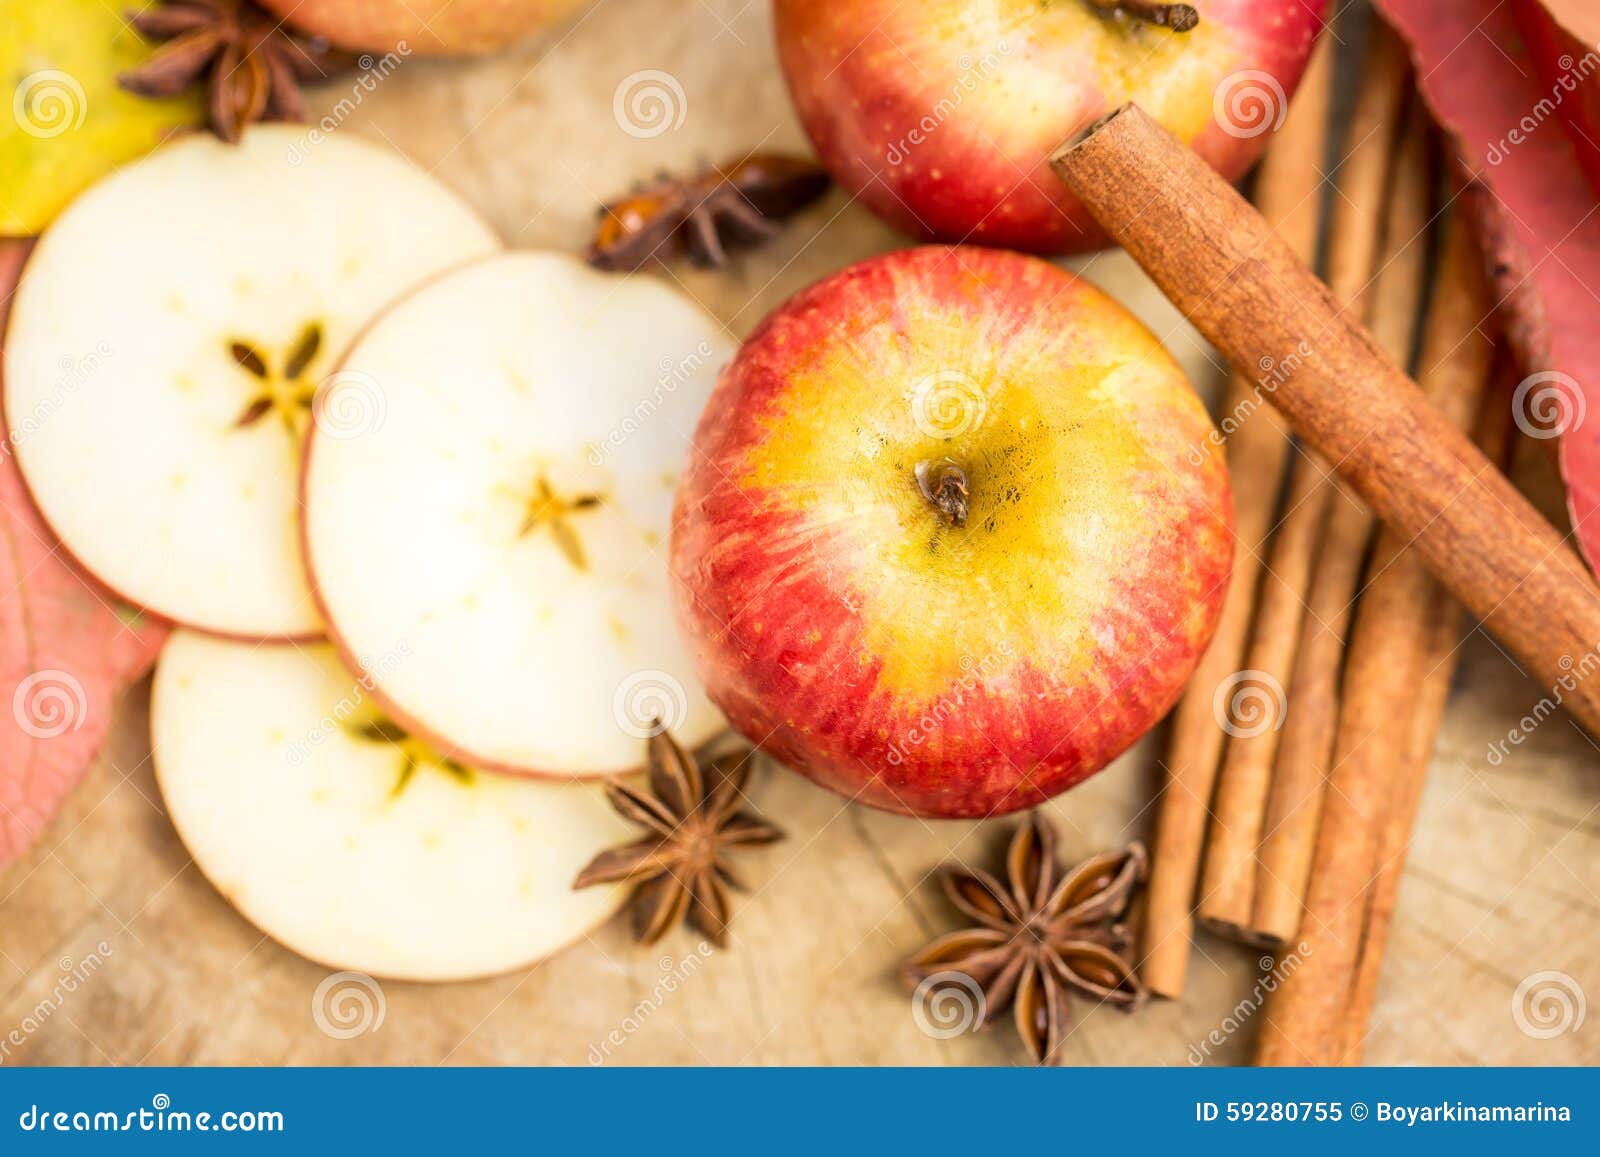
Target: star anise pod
(692, 819)
(724, 206)
(252, 64)
(1037, 936)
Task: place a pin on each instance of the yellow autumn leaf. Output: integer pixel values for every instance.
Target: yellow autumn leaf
(64, 122)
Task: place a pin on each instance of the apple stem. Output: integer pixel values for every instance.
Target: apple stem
(1178, 17)
(945, 486)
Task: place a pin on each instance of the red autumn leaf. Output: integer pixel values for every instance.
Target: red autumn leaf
(1562, 36)
(66, 650)
(1540, 217)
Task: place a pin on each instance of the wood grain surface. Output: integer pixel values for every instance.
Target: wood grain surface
(1503, 881)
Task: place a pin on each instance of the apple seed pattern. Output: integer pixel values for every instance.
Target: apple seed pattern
(287, 392)
(546, 510)
(413, 752)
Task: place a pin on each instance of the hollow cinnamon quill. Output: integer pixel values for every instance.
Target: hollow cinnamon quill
(1247, 292)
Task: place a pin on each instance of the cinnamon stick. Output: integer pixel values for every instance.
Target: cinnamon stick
(1439, 629)
(1247, 292)
(1294, 802)
(1286, 191)
(1438, 635)
(1228, 882)
(1306, 1017)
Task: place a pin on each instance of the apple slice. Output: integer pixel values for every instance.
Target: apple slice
(166, 342)
(505, 526)
(354, 844)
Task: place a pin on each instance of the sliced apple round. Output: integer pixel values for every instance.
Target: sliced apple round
(353, 843)
(506, 524)
(167, 341)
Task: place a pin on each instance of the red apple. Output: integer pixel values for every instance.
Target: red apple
(942, 115)
(943, 544)
(424, 26)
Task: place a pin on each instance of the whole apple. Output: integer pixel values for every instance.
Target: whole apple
(942, 115)
(423, 26)
(949, 540)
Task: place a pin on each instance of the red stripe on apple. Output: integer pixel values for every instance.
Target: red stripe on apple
(941, 116)
(970, 651)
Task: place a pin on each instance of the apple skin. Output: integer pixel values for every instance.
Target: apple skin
(942, 115)
(841, 623)
(429, 27)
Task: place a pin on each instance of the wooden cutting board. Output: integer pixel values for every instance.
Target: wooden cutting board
(114, 949)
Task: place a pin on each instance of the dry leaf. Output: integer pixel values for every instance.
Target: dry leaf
(1540, 217)
(67, 650)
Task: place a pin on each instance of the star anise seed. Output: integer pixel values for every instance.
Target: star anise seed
(1040, 934)
(692, 820)
(252, 64)
(705, 214)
